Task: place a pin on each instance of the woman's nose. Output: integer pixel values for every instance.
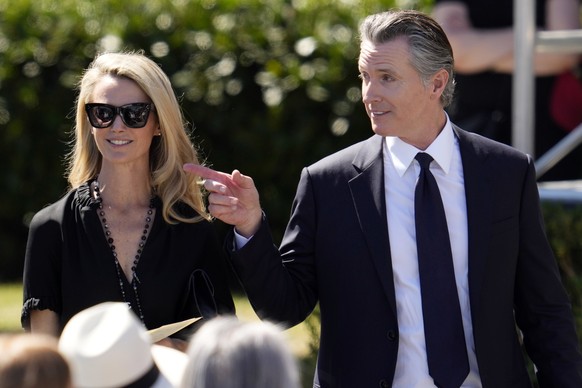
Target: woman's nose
(117, 124)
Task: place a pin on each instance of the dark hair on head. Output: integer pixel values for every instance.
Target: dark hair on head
(430, 50)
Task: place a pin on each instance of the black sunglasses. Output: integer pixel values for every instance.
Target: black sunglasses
(133, 115)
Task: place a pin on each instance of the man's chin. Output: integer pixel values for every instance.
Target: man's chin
(382, 131)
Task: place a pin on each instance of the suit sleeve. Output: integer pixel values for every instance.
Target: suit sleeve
(281, 283)
(542, 308)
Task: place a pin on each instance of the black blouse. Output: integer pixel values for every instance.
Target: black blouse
(69, 266)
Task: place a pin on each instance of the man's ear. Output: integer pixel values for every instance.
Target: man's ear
(439, 82)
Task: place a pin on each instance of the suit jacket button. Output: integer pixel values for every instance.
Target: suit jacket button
(384, 384)
(391, 335)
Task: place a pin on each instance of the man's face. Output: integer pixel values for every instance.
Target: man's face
(396, 99)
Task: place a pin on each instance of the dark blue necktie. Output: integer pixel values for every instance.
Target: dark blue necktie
(448, 363)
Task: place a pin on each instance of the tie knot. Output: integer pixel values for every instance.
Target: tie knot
(424, 159)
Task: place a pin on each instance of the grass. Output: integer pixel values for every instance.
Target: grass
(298, 336)
(11, 304)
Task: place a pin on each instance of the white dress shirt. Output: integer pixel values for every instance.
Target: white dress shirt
(401, 172)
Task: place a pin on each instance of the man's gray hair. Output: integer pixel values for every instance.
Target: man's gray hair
(430, 50)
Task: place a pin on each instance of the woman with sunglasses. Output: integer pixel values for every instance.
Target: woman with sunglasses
(133, 226)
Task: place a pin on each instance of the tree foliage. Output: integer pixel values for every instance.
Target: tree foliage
(268, 86)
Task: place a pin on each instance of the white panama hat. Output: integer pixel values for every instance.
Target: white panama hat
(107, 346)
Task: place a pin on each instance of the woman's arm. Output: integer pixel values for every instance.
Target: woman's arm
(45, 322)
(478, 50)
(475, 50)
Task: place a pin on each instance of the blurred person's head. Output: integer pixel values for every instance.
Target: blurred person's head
(107, 346)
(32, 361)
(226, 352)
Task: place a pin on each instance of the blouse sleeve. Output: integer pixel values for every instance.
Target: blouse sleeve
(41, 277)
(209, 292)
(212, 287)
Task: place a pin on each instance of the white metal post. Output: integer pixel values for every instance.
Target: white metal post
(523, 94)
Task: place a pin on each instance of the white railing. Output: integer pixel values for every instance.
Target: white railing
(527, 41)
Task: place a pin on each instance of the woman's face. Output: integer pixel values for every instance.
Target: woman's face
(119, 144)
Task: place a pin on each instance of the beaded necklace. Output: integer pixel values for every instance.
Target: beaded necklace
(134, 279)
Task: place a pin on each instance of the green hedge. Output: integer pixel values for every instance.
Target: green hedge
(268, 85)
(564, 229)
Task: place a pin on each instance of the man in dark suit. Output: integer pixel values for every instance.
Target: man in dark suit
(354, 239)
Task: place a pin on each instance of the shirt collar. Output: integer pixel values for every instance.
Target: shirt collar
(441, 150)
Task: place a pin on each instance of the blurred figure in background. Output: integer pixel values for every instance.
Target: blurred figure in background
(482, 36)
(226, 352)
(32, 361)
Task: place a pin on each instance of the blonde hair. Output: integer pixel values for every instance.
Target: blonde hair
(168, 152)
(226, 352)
(32, 361)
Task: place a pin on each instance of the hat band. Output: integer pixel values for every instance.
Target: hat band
(147, 380)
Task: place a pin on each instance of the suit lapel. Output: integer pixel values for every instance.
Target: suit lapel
(479, 211)
(367, 189)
